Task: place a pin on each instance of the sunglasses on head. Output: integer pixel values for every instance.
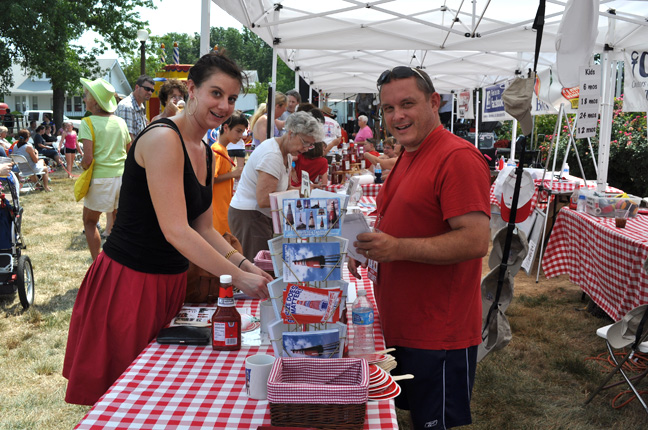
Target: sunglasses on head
(149, 89)
(402, 72)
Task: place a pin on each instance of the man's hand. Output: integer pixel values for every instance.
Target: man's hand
(352, 265)
(379, 247)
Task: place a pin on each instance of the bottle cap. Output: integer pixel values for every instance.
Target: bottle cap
(226, 279)
(361, 292)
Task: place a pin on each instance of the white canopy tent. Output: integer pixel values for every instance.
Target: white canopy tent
(341, 46)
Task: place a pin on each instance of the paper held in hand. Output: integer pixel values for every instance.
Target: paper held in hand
(353, 225)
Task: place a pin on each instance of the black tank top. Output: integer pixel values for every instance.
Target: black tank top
(136, 240)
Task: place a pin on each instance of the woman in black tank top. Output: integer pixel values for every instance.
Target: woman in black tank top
(137, 284)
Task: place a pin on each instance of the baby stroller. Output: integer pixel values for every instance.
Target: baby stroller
(16, 272)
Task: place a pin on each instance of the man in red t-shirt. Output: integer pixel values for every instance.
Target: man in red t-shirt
(432, 230)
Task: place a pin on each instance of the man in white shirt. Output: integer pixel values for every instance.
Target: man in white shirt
(332, 131)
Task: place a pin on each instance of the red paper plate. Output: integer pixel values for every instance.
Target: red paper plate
(373, 370)
(392, 391)
(251, 327)
(375, 358)
(383, 385)
(379, 380)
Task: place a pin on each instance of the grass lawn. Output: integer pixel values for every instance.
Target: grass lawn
(539, 381)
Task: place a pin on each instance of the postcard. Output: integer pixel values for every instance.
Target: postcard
(277, 329)
(354, 224)
(305, 262)
(312, 344)
(311, 217)
(278, 287)
(276, 204)
(303, 304)
(305, 184)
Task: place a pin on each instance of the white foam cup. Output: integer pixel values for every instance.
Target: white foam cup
(257, 371)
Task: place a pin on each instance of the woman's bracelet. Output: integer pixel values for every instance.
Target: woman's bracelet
(229, 254)
(241, 263)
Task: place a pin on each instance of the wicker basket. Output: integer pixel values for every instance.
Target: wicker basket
(330, 394)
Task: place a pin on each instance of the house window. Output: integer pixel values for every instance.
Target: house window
(68, 104)
(21, 103)
(78, 104)
(34, 102)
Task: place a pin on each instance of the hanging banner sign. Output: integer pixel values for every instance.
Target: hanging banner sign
(541, 103)
(465, 104)
(540, 107)
(635, 84)
(589, 101)
(493, 106)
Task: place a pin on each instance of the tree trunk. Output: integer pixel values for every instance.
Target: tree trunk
(58, 104)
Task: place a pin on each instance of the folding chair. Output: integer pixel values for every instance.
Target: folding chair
(26, 171)
(632, 331)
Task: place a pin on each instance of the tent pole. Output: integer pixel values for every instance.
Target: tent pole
(452, 115)
(205, 12)
(605, 131)
(606, 121)
(477, 107)
(273, 102)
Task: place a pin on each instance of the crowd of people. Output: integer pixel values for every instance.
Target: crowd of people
(179, 187)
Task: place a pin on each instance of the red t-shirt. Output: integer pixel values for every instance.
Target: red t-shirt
(375, 153)
(429, 306)
(315, 167)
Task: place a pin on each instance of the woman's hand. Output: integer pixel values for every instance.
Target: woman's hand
(170, 110)
(253, 284)
(249, 266)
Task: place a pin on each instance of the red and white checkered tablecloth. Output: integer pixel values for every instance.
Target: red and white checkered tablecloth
(556, 187)
(368, 190)
(194, 387)
(605, 261)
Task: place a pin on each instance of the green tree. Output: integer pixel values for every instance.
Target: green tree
(251, 53)
(39, 35)
(246, 48)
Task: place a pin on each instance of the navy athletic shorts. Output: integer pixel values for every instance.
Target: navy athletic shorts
(236, 153)
(439, 395)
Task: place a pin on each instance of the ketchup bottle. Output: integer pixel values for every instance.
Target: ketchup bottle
(226, 322)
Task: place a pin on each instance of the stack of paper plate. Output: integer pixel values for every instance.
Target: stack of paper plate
(381, 384)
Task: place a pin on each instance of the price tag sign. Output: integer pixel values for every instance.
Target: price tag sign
(589, 101)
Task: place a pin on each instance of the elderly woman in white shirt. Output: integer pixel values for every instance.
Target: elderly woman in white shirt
(268, 171)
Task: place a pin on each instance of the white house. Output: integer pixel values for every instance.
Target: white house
(35, 93)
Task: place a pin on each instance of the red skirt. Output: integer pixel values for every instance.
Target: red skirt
(117, 312)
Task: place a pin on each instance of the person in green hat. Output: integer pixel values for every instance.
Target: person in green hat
(105, 139)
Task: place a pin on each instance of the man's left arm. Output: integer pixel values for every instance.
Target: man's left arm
(468, 239)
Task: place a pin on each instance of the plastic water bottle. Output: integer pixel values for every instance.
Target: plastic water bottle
(580, 206)
(378, 174)
(363, 330)
(565, 171)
